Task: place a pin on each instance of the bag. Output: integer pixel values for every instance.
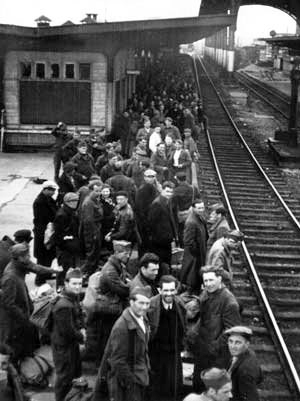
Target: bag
(49, 236)
(80, 391)
(109, 304)
(41, 316)
(34, 371)
(90, 297)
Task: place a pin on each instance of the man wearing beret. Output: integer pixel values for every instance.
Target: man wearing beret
(219, 311)
(243, 365)
(125, 364)
(67, 333)
(220, 254)
(218, 224)
(218, 386)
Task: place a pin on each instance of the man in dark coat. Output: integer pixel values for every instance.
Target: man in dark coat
(125, 364)
(167, 327)
(44, 211)
(219, 311)
(160, 163)
(108, 170)
(145, 195)
(61, 138)
(70, 148)
(90, 227)
(85, 165)
(66, 236)
(243, 365)
(16, 306)
(67, 333)
(66, 182)
(218, 224)
(163, 224)
(120, 182)
(148, 271)
(194, 240)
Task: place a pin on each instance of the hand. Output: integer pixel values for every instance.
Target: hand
(107, 237)
(58, 269)
(83, 332)
(66, 237)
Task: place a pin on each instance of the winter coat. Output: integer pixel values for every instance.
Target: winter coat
(220, 256)
(85, 167)
(124, 227)
(113, 279)
(66, 223)
(5, 244)
(90, 219)
(66, 184)
(119, 182)
(140, 281)
(217, 230)
(160, 165)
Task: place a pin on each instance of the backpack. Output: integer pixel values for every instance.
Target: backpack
(34, 371)
(41, 316)
(80, 391)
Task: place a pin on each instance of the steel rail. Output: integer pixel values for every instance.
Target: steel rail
(285, 206)
(260, 96)
(262, 293)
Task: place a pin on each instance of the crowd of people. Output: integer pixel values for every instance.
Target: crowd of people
(125, 204)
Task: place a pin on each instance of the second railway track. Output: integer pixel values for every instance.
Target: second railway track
(272, 242)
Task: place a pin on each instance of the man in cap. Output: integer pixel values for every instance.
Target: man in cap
(243, 365)
(167, 323)
(219, 311)
(218, 224)
(120, 182)
(61, 135)
(159, 162)
(145, 195)
(67, 333)
(66, 235)
(66, 182)
(108, 170)
(44, 211)
(125, 363)
(170, 129)
(16, 306)
(114, 283)
(217, 384)
(220, 254)
(85, 165)
(148, 271)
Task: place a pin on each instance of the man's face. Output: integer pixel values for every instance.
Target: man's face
(147, 124)
(167, 192)
(82, 150)
(149, 179)
(223, 394)
(214, 217)
(199, 209)
(168, 292)
(49, 191)
(157, 130)
(140, 305)
(143, 143)
(178, 145)
(121, 200)
(168, 140)
(76, 135)
(24, 258)
(97, 191)
(168, 123)
(123, 256)
(74, 285)
(72, 204)
(105, 192)
(237, 344)
(151, 271)
(211, 281)
(232, 243)
(161, 149)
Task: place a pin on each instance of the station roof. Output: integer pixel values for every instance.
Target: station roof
(162, 32)
(292, 42)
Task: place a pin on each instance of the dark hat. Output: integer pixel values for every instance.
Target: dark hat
(169, 118)
(23, 235)
(215, 378)
(145, 291)
(236, 235)
(69, 166)
(71, 196)
(82, 144)
(19, 250)
(73, 273)
(110, 155)
(181, 174)
(122, 193)
(241, 331)
(121, 246)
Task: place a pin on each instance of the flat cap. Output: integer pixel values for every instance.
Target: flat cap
(49, 185)
(73, 273)
(169, 118)
(235, 235)
(19, 250)
(145, 291)
(215, 378)
(187, 130)
(149, 173)
(240, 330)
(71, 196)
(121, 246)
(23, 235)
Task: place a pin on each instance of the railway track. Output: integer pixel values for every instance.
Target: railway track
(267, 270)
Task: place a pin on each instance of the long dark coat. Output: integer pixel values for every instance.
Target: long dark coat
(125, 364)
(5, 245)
(195, 238)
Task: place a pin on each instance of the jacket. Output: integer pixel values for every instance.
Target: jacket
(184, 195)
(220, 256)
(90, 218)
(217, 230)
(124, 227)
(160, 165)
(112, 279)
(140, 281)
(66, 223)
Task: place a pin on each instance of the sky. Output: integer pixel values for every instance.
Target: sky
(253, 21)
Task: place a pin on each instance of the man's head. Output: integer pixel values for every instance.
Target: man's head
(212, 278)
(161, 149)
(149, 176)
(199, 207)
(140, 300)
(178, 144)
(142, 142)
(122, 198)
(122, 250)
(95, 187)
(82, 148)
(168, 288)
(20, 253)
(23, 236)
(76, 135)
(105, 191)
(167, 189)
(168, 122)
(233, 239)
(49, 188)
(218, 384)
(147, 123)
(69, 168)
(149, 266)
(187, 132)
(71, 200)
(73, 281)
(112, 158)
(217, 211)
(168, 140)
(181, 176)
(238, 339)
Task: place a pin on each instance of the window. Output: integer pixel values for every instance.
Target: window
(70, 71)
(25, 69)
(84, 71)
(54, 70)
(40, 70)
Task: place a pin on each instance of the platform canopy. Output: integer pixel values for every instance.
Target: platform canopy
(292, 42)
(148, 33)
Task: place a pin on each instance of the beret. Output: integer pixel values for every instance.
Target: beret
(23, 235)
(145, 291)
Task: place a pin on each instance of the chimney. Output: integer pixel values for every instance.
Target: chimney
(90, 19)
(43, 21)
